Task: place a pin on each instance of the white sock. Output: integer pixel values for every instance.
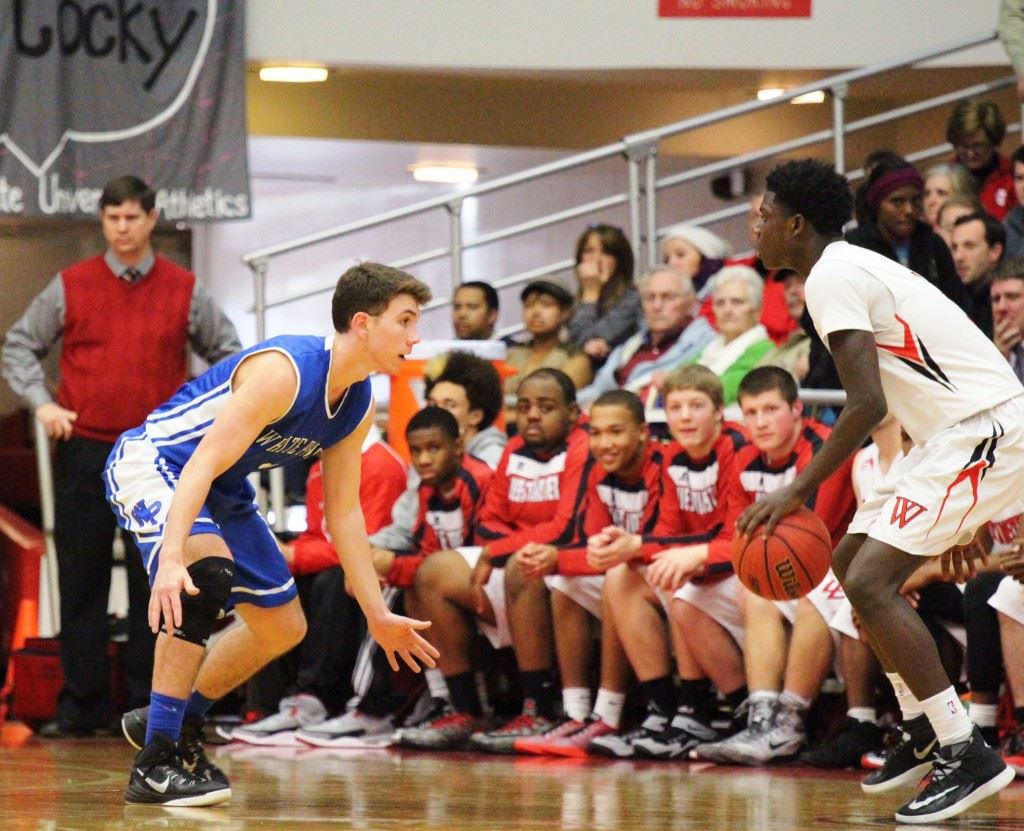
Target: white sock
(608, 707)
(576, 702)
(793, 701)
(763, 695)
(436, 683)
(909, 705)
(984, 715)
(948, 717)
(864, 714)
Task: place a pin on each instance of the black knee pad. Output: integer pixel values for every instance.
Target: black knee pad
(214, 577)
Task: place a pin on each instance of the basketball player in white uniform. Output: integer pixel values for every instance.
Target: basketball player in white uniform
(900, 346)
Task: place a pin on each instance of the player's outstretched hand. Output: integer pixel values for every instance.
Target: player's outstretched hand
(769, 511)
(165, 597)
(398, 635)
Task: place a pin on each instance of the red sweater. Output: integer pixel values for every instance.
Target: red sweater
(445, 520)
(534, 497)
(125, 346)
(381, 484)
(630, 504)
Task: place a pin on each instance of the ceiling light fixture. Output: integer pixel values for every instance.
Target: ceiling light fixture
(294, 74)
(444, 173)
(816, 97)
(768, 93)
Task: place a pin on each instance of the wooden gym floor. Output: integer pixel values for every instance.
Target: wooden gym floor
(78, 786)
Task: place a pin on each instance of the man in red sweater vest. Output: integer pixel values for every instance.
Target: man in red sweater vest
(127, 318)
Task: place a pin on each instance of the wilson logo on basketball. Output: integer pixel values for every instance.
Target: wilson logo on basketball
(905, 510)
(787, 576)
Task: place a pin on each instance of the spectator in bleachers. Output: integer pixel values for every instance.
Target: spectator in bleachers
(699, 254)
(546, 308)
(951, 210)
(672, 334)
(741, 341)
(607, 305)
(892, 226)
(1011, 33)
(1014, 220)
(474, 311)
(1007, 294)
(794, 353)
(941, 181)
(977, 246)
(976, 130)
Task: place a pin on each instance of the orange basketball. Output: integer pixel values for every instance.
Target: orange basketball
(789, 563)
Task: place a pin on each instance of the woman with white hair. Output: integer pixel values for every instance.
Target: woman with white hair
(737, 292)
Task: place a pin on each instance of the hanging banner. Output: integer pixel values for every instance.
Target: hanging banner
(95, 89)
(734, 8)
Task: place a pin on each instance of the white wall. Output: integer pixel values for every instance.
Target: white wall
(600, 34)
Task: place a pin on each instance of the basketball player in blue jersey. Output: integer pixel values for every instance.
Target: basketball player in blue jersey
(901, 346)
(178, 484)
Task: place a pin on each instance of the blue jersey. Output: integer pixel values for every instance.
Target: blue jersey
(175, 428)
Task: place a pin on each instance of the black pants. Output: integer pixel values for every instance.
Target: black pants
(84, 528)
(334, 662)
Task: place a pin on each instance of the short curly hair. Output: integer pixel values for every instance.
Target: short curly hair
(815, 191)
(479, 379)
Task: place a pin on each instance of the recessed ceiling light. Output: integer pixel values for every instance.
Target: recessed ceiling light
(768, 93)
(294, 74)
(816, 97)
(443, 173)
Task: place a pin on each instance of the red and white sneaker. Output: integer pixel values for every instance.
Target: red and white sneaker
(537, 745)
(503, 739)
(577, 745)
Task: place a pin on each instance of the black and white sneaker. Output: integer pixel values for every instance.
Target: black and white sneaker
(907, 762)
(963, 774)
(190, 746)
(158, 778)
(682, 734)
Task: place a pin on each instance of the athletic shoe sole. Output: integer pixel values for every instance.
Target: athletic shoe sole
(220, 797)
(376, 740)
(991, 787)
(910, 777)
(286, 738)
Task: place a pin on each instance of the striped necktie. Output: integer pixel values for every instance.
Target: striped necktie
(132, 275)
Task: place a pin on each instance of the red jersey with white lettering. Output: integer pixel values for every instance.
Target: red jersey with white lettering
(632, 504)
(755, 477)
(937, 368)
(695, 506)
(445, 521)
(534, 497)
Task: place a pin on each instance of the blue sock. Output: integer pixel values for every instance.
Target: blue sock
(165, 716)
(198, 704)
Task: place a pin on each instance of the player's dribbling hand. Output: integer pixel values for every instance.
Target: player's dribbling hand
(398, 635)
(769, 510)
(165, 597)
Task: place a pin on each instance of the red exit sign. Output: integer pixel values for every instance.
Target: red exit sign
(734, 8)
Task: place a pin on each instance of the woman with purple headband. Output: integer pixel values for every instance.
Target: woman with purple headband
(891, 225)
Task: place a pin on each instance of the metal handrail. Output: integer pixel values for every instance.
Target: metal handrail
(640, 151)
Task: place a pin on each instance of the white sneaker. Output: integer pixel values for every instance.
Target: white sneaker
(783, 738)
(351, 729)
(760, 717)
(296, 711)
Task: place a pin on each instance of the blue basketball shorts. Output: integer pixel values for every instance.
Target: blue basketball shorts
(140, 485)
